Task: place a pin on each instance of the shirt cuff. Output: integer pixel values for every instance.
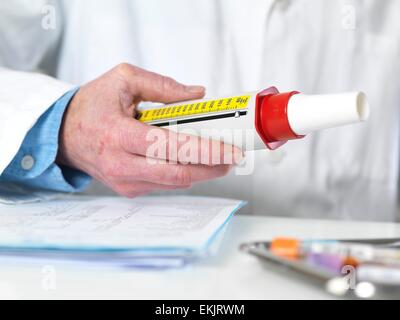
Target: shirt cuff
(34, 165)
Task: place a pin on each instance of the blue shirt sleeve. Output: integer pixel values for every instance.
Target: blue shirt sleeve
(34, 165)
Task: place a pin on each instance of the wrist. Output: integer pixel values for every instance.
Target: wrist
(69, 130)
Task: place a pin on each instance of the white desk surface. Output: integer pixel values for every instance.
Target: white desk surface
(230, 275)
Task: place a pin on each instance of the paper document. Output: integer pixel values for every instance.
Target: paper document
(147, 224)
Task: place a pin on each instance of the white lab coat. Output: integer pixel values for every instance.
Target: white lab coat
(231, 46)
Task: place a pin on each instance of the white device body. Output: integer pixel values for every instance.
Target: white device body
(239, 130)
(306, 113)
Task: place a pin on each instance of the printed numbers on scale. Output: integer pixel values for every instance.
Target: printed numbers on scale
(172, 112)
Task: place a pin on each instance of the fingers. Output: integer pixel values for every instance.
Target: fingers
(138, 138)
(130, 169)
(150, 86)
(157, 143)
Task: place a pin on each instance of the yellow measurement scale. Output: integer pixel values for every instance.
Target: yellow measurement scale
(195, 111)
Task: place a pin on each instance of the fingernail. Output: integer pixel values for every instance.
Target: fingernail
(195, 89)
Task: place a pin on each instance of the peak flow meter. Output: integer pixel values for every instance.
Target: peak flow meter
(271, 117)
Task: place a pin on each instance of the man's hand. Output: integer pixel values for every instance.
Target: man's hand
(100, 136)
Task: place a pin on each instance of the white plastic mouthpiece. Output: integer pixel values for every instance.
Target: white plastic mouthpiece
(308, 113)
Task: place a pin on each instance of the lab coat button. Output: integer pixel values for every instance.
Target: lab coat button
(27, 162)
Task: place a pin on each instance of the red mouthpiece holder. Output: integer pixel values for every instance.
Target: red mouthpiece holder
(271, 122)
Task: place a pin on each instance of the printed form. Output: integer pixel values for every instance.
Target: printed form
(111, 223)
